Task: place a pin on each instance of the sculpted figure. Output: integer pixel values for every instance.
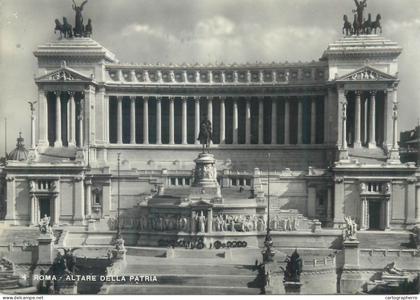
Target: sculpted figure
(172, 76)
(194, 222)
(78, 26)
(44, 225)
(146, 77)
(184, 76)
(349, 232)
(360, 8)
(393, 270)
(293, 267)
(202, 222)
(205, 136)
(235, 77)
(295, 224)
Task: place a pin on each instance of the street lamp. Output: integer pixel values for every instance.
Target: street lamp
(118, 198)
(268, 252)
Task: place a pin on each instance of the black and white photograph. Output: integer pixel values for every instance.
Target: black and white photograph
(209, 147)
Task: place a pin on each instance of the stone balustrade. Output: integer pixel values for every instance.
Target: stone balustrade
(233, 74)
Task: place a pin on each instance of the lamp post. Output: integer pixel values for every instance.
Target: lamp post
(268, 252)
(118, 197)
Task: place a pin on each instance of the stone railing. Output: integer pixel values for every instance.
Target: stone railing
(234, 74)
(391, 252)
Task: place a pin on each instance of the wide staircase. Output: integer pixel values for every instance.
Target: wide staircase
(230, 272)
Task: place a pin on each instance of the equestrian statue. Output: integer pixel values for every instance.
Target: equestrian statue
(205, 136)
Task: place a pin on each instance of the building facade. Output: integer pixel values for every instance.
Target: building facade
(328, 126)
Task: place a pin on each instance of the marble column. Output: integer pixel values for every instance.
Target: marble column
(417, 196)
(300, 123)
(145, 120)
(273, 120)
(33, 219)
(210, 110)
(171, 121)
(184, 120)
(357, 120)
(119, 120)
(387, 214)
(79, 200)
(33, 138)
(58, 141)
(196, 119)
(235, 121)
(365, 121)
(133, 120)
(329, 203)
(42, 117)
(343, 152)
(106, 118)
(363, 218)
(72, 131)
(88, 203)
(222, 121)
(372, 120)
(56, 211)
(395, 124)
(80, 120)
(260, 120)
(394, 153)
(158, 120)
(313, 121)
(248, 121)
(286, 122)
(326, 117)
(10, 200)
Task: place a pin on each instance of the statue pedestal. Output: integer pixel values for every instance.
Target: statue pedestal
(394, 157)
(292, 288)
(351, 253)
(351, 280)
(45, 249)
(205, 174)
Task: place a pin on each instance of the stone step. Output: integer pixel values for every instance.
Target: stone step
(18, 235)
(198, 270)
(385, 240)
(180, 290)
(152, 252)
(204, 280)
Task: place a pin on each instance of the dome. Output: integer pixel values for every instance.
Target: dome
(19, 153)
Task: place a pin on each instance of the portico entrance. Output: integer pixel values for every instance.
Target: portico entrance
(375, 210)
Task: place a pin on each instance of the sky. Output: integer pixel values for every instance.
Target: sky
(204, 31)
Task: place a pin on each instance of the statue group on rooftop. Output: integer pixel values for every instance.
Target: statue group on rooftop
(79, 30)
(360, 24)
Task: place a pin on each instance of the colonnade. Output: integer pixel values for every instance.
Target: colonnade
(265, 110)
(363, 118)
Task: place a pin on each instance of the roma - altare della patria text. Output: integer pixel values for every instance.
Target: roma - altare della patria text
(280, 178)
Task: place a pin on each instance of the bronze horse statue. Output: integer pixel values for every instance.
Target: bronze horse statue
(367, 25)
(347, 29)
(376, 24)
(64, 29)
